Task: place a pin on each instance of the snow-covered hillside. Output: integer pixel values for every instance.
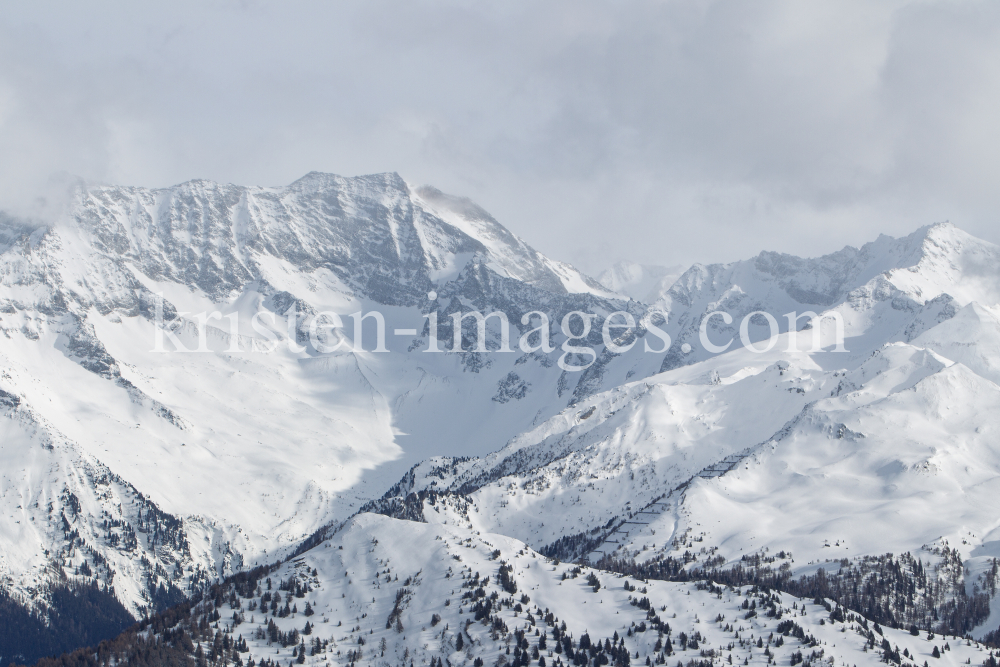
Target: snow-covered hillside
(249, 451)
(389, 592)
(429, 585)
(766, 455)
(888, 290)
(149, 471)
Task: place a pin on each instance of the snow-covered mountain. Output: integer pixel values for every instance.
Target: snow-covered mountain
(146, 472)
(243, 452)
(387, 591)
(888, 290)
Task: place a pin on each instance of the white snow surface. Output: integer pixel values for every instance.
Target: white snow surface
(353, 582)
(221, 459)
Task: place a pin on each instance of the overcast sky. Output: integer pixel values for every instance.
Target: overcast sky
(664, 132)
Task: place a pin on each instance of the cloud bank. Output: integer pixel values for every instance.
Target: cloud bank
(664, 132)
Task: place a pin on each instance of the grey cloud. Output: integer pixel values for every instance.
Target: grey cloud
(659, 131)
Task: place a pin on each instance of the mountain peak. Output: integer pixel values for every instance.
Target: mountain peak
(326, 178)
(942, 258)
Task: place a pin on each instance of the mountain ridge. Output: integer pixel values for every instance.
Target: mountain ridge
(246, 455)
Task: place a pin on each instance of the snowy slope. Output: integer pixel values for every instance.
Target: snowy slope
(390, 592)
(971, 338)
(730, 460)
(888, 290)
(823, 456)
(508, 255)
(442, 566)
(264, 448)
(239, 454)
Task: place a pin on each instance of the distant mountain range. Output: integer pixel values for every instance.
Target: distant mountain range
(136, 476)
